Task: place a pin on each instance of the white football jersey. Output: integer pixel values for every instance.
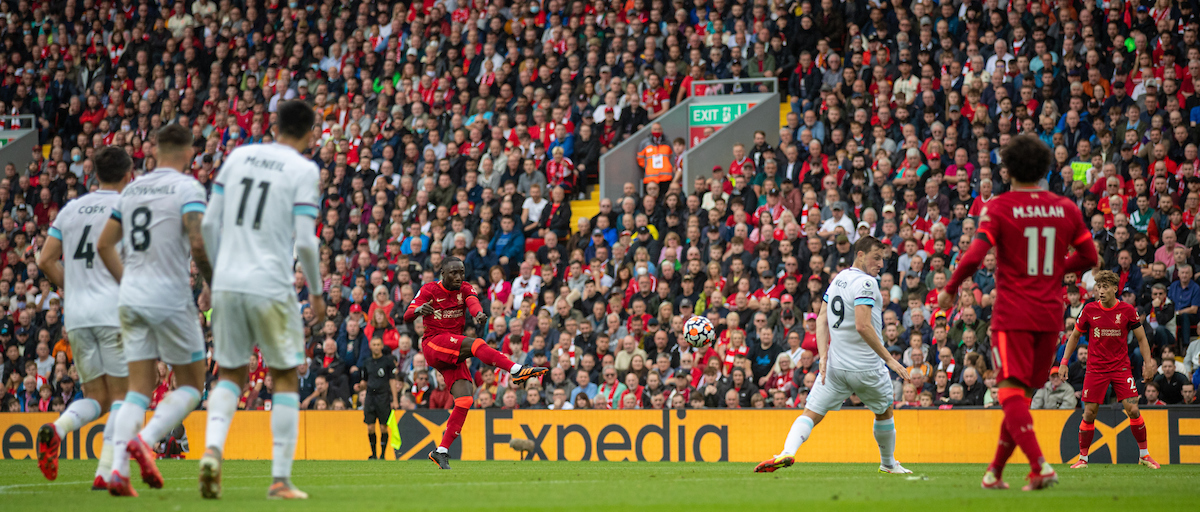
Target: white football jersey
(157, 250)
(264, 187)
(91, 291)
(847, 350)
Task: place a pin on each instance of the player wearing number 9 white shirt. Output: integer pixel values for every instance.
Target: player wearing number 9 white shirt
(853, 358)
(157, 221)
(264, 203)
(90, 311)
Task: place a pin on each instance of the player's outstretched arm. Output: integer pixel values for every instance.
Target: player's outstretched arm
(1084, 258)
(211, 226)
(107, 247)
(191, 226)
(967, 265)
(50, 259)
(866, 329)
(308, 254)
(420, 306)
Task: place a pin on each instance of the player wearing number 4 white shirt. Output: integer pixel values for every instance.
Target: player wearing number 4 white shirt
(90, 312)
(157, 222)
(852, 359)
(264, 203)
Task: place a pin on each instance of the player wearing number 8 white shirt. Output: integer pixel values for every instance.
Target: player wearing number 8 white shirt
(90, 312)
(157, 221)
(852, 358)
(264, 203)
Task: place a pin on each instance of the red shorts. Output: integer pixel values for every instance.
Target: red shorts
(1024, 356)
(1095, 385)
(442, 353)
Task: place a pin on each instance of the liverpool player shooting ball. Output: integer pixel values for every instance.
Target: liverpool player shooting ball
(1107, 324)
(443, 307)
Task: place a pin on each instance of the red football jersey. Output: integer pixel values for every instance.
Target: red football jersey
(1031, 231)
(450, 308)
(1107, 331)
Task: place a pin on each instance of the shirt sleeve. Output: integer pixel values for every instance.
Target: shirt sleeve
(115, 214)
(194, 198)
(55, 229)
(420, 299)
(308, 193)
(1135, 320)
(865, 295)
(1081, 323)
(988, 230)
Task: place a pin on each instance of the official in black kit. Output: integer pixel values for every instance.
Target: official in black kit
(378, 373)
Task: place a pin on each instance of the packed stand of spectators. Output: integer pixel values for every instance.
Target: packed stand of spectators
(465, 127)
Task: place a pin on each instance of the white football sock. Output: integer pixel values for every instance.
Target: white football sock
(285, 427)
(222, 404)
(885, 435)
(1142, 452)
(515, 368)
(106, 450)
(443, 449)
(801, 429)
(170, 413)
(129, 418)
(79, 413)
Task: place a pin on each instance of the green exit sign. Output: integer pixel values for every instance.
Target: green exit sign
(716, 115)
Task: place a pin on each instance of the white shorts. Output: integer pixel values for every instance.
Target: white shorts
(243, 321)
(98, 352)
(873, 387)
(172, 335)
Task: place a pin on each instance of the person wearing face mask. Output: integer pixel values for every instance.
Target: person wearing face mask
(76, 166)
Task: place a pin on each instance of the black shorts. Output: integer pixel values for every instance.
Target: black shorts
(376, 408)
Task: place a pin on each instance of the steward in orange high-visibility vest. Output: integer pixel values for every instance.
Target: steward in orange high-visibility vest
(655, 157)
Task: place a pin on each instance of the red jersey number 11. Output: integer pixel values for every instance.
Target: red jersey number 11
(1031, 238)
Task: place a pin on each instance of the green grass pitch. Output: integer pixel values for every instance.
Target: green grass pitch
(418, 485)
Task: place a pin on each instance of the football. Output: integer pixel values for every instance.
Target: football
(699, 331)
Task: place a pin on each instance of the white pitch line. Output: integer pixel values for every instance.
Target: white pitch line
(7, 489)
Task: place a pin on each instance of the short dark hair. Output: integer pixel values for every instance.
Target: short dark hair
(295, 119)
(867, 244)
(448, 260)
(1026, 157)
(173, 137)
(112, 164)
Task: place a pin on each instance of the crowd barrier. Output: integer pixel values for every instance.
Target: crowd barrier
(923, 436)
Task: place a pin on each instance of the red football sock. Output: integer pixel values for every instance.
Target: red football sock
(490, 356)
(458, 416)
(1004, 450)
(1138, 427)
(1087, 431)
(1020, 425)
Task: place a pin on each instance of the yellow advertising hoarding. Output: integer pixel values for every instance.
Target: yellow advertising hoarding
(923, 436)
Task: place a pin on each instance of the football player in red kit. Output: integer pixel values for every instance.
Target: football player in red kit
(1032, 231)
(1107, 324)
(443, 305)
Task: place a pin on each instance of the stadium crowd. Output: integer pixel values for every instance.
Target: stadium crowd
(465, 127)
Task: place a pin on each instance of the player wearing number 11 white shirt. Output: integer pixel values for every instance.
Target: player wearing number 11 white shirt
(157, 219)
(264, 204)
(852, 359)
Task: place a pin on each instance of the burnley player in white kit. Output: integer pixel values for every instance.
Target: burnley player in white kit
(272, 193)
(90, 312)
(853, 359)
(157, 219)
